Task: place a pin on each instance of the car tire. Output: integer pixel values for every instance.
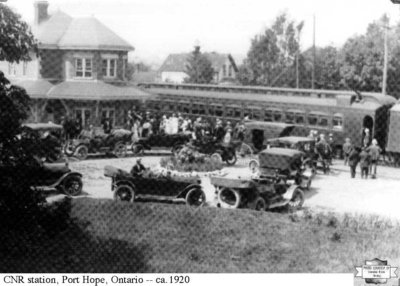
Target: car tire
(195, 197)
(229, 198)
(258, 204)
(124, 193)
(81, 152)
(232, 160)
(254, 166)
(137, 149)
(120, 150)
(297, 200)
(72, 186)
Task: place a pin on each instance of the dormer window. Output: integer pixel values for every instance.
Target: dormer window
(83, 68)
(109, 67)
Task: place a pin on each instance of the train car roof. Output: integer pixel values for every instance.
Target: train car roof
(371, 100)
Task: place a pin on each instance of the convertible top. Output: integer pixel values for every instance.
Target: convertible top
(279, 158)
(290, 139)
(42, 126)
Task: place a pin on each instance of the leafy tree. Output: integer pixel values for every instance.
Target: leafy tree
(199, 68)
(271, 58)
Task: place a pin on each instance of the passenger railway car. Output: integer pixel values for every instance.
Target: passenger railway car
(342, 113)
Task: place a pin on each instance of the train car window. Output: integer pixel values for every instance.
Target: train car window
(186, 108)
(202, 109)
(256, 114)
(337, 121)
(211, 111)
(277, 116)
(323, 121)
(289, 117)
(238, 113)
(195, 109)
(268, 116)
(219, 111)
(299, 119)
(312, 120)
(230, 112)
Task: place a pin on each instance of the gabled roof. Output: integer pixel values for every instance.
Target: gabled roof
(178, 62)
(61, 31)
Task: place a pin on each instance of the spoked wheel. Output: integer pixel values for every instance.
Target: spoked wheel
(254, 166)
(137, 149)
(195, 197)
(216, 157)
(297, 200)
(229, 198)
(245, 150)
(232, 160)
(124, 193)
(72, 185)
(81, 152)
(69, 149)
(120, 150)
(258, 204)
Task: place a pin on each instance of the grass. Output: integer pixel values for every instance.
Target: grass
(108, 236)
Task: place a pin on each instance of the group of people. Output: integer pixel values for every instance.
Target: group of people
(367, 156)
(143, 124)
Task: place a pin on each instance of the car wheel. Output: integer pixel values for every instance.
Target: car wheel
(69, 150)
(120, 150)
(258, 204)
(245, 150)
(216, 157)
(124, 193)
(137, 149)
(254, 166)
(195, 197)
(81, 152)
(232, 160)
(297, 200)
(229, 198)
(72, 186)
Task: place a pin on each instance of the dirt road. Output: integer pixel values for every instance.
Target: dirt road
(336, 192)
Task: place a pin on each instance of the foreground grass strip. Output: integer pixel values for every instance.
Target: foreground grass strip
(107, 236)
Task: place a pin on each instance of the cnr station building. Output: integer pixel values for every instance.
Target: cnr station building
(80, 71)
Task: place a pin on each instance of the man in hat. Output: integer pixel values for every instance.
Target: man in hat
(219, 131)
(374, 151)
(347, 148)
(138, 169)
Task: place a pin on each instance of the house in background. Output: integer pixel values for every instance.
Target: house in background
(80, 71)
(174, 67)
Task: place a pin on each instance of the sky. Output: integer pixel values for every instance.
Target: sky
(157, 28)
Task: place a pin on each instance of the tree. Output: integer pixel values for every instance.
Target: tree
(199, 68)
(271, 58)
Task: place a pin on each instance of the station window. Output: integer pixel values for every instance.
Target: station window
(83, 67)
(312, 120)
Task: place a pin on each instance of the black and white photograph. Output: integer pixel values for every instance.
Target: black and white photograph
(199, 136)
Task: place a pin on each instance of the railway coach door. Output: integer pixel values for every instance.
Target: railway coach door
(368, 123)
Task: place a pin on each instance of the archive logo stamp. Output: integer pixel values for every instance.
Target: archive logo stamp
(376, 271)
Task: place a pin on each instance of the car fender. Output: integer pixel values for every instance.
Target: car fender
(186, 190)
(63, 177)
(289, 192)
(124, 182)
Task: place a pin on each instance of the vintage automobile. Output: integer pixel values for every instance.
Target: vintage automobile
(151, 186)
(220, 151)
(303, 144)
(172, 141)
(113, 143)
(48, 177)
(279, 182)
(47, 138)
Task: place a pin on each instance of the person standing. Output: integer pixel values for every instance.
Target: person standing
(374, 151)
(364, 163)
(347, 148)
(354, 158)
(219, 131)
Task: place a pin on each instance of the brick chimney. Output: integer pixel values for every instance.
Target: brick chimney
(40, 11)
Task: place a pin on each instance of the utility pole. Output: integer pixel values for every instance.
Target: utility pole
(299, 28)
(313, 66)
(385, 56)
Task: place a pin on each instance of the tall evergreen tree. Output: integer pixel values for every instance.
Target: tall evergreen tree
(199, 68)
